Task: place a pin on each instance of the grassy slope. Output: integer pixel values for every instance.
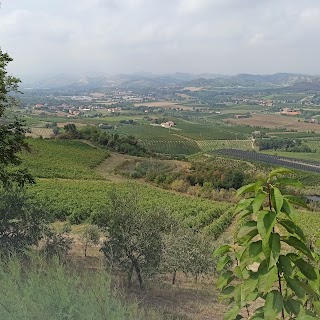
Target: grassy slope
(63, 159)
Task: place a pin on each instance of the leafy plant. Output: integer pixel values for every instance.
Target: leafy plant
(269, 272)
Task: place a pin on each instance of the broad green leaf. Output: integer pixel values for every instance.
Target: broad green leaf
(238, 296)
(244, 189)
(306, 269)
(293, 307)
(316, 306)
(251, 253)
(259, 183)
(276, 199)
(273, 305)
(243, 204)
(295, 286)
(279, 171)
(274, 245)
(247, 231)
(285, 265)
(290, 182)
(265, 223)
(289, 210)
(223, 262)
(244, 213)
(222, 250)
(295, 200)
(253, 295)
(292, 228)
(258, 201)
(227, 292)
(232, 313)
(266, 277)
(249, 287)
(298, 245)
(224, 279)
(258, 316)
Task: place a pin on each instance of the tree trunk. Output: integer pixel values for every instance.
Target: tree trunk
(174, 277)
(138, 272)
(130, 275)
(85, 249)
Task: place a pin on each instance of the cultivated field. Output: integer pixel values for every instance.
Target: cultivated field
(163, 104)
(63, 159)
(277, 121)
(40, 132)
(182, 147)
(209, 145)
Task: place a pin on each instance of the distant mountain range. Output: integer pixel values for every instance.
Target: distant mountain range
(149, 80)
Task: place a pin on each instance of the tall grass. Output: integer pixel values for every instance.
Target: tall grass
(38, 290)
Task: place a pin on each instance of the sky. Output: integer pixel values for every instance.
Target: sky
(161, 36)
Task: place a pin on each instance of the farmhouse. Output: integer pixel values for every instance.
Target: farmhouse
(168, 124)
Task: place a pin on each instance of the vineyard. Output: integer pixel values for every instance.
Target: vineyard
(40, 132)
(186, 147)
(296, 164)
(314, 145)
(79, 199)
(145, 131)
(209, 145)
(212, 131)
(62, 159)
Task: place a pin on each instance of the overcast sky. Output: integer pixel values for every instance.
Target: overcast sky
(161, 36)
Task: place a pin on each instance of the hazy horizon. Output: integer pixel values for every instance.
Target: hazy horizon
(111, 37)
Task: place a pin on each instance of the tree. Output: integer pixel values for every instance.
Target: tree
(12, 130)
(186, 250)
(270, 268)
(133, 236)
(22, 221)
(90, 236)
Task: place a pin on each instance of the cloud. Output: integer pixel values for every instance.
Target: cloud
(225, 36)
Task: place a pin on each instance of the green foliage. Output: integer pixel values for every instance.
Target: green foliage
(187, 251)
(48, 290)
(56, 243)
(90, 236)
(22, 221)
(12, 131)
(113, 141)
(80, 199)
(270, 260)
(283, 144)
(63, 159)
(133, 236)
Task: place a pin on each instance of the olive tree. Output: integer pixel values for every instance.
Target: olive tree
(133, 236)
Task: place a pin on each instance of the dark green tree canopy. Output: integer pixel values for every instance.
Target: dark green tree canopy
(12, 130)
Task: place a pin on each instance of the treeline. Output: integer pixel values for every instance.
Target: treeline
(113, 141)
(204, 178)
(283, 144)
